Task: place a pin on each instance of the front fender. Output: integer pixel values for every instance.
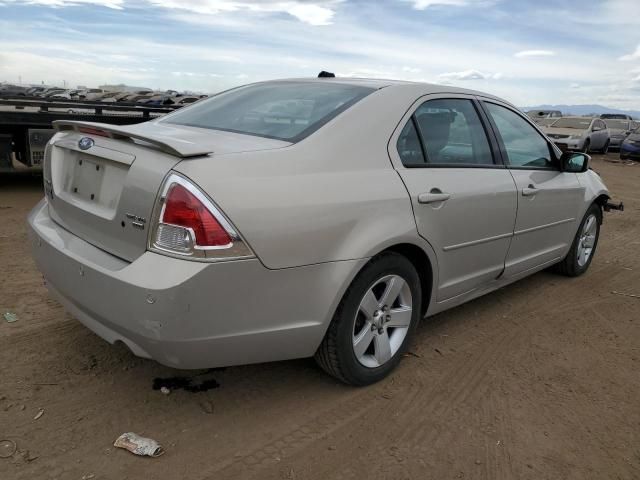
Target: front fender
(594, 189)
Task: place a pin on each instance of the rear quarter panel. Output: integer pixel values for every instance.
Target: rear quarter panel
(333, 196)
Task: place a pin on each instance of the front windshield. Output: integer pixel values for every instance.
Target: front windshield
(282, 110)
(579, 123)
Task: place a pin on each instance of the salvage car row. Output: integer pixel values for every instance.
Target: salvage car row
(143, 97)
(591, 134)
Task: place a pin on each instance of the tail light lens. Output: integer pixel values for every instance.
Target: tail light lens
(188, 224)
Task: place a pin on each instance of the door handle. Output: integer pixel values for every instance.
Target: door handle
(530, 191)
(434, 196)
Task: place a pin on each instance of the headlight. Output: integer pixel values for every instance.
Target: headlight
(577, 136)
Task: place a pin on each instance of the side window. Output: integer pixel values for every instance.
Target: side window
(452, 133)
(524, 145)
(409, 147)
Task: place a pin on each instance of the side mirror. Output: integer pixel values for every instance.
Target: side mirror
(574, 162)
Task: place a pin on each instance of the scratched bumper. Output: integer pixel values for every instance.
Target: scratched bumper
(189, 314)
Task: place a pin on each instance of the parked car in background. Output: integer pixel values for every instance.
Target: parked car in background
(156, 100)
(630, 147)
(49, 91)
(108, 97)
(62, 95)
(615, 116)
(52, 92)
(13, 91)
(93, 94)
(619, 130)
(208, 237)
(544, 117)
(34, 91)
(582, 134)
(185, 100)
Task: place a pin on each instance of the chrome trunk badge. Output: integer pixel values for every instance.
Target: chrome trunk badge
(85, 143)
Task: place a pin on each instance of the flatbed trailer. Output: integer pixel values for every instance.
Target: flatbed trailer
(25, 125)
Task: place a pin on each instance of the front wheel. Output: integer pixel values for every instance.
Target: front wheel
(374, 322)
(584, 244)
(587, 146)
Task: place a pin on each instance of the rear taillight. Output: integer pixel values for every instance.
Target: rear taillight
(187, 223)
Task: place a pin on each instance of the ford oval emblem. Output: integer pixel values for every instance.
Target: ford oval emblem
(85, 143)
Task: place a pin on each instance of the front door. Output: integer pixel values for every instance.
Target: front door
(464, 201)
(548, 200)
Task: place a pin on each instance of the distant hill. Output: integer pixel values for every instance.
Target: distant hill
(583, 109)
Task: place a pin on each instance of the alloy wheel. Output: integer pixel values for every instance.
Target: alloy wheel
(587, 240)
(382, 321)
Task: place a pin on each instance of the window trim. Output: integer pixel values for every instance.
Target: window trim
(495, 156)
(553, 152)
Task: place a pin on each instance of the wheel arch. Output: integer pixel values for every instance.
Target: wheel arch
(601, 200)
(422, 263)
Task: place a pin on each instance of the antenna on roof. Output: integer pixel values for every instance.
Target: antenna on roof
(324, 74)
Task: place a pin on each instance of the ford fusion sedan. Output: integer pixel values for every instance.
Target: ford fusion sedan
(313, 217)
(582, 134)
(619, 130)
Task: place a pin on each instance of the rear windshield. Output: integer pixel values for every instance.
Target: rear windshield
(284, 110)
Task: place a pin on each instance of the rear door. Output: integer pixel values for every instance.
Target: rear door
(464, 201)
(548, 200)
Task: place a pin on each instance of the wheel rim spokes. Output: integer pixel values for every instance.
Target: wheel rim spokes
(382, 321)
(587, 240)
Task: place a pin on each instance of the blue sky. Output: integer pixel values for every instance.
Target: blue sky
(530, 52)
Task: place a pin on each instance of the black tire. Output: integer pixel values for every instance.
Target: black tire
(570, 266)
(605, 149)
(586, 147)
(336, 354)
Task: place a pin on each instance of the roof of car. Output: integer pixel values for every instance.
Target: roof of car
(379, 83)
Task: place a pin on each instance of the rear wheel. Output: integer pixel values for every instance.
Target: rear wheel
(605, 149)
(584, 244)
(374, 322)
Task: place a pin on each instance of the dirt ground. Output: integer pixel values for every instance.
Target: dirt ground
(540, 380)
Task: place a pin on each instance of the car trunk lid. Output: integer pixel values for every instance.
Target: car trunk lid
(102, 181)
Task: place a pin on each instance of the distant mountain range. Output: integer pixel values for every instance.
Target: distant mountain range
(583, 109)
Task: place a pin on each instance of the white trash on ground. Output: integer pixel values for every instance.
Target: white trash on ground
(139, 445)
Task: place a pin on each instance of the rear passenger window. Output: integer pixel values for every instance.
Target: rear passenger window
(524, 145)
(452, 134)
(409, 147)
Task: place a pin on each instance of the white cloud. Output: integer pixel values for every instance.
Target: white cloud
(313, 13)
(534, 53)
(464, 75)
(115, 4)
(411, 70)
(631, 56)
(574, 85)
(320, 12)
(424, 4)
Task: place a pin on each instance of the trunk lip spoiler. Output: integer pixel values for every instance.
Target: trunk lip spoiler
(177, 148)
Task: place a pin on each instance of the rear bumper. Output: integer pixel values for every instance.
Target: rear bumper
(187, 314)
